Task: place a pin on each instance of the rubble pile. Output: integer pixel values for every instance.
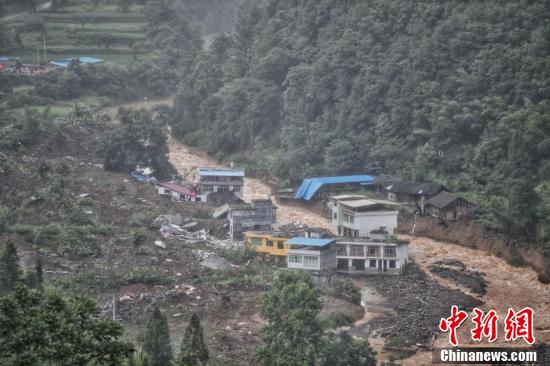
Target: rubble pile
(125, 304)
(473, 280)
(418, 302)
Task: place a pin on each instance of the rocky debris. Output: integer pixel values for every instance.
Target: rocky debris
(160, 244)
(221, 212)
(190, 225)
(419, 302)
(169, 220)
(217, 263)
(126, 302)
(222, 198)
(473, 280)
(176, 232)
(451, 263)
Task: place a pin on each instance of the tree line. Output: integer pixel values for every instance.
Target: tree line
(455, 92)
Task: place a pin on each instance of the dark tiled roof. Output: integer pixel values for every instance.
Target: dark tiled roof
(409, 187)
(442, 199)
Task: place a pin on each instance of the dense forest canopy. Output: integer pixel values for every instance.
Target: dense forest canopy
(454, 91)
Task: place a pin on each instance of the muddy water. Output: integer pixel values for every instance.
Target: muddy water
(507, 286)
(186, 160)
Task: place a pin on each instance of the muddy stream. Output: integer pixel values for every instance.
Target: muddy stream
(507, 286)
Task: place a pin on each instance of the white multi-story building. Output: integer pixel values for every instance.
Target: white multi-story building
(219, 180)
(372, 257)
(362, 218)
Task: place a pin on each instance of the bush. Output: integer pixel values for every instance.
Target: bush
(344, 289)
(336, 320)
(140, 236)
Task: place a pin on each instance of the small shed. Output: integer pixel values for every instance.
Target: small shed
(449, 206)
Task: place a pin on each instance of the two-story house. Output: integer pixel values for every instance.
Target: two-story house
(360, 217)
(219, 180)
(312, 254)
(258, 215)
(371, 257)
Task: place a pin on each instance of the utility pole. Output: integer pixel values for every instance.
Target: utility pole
(114, 308)
(38, 54)
(45, 54)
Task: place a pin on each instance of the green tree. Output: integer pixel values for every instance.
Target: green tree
(43, 328)
(293, 333)
(10, 272)
(137, 140)
(156, 339)
(193, 346)
(4, 218)
(340, 349)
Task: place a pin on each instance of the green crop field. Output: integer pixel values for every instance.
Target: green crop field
(81, 30)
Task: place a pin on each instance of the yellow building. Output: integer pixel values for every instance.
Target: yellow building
(272, 245)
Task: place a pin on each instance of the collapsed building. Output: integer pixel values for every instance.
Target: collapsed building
(258, 215)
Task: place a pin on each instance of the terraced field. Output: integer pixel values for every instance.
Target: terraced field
(104, 32)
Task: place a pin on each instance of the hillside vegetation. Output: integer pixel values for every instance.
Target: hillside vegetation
(450, 91)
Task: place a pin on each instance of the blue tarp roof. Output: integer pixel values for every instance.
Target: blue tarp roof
(310, 242)
(223, 172)
(83, 60)
(309, 186)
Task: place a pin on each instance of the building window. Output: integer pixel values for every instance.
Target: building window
(351, 220)
(295, 259)
(335, 215)
(392, 264)
(372, 263)
(236, 189)
(389, 252)
(356, 251)
(256, 242)
(311, 261)
(342, 250)
(223, 188)
(339, 230)
(373, 252)
(270, 243)
(280, 245)
(208, 188)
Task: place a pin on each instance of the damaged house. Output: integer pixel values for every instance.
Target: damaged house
(413, 193)
(449, 206)
(259, 215)
(219, 180)
(312, 254)
(373, 256)
(178, 192)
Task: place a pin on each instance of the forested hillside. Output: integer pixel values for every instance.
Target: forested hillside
(453, 91)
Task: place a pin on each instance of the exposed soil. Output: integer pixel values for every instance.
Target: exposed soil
(471, 235)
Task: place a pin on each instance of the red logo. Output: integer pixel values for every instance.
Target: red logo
(485, 326)
(520, 325)
(452, 323)
(517, 325)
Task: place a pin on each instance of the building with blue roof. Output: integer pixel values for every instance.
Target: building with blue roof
(83, 60)
(311, 186)
(312, 254)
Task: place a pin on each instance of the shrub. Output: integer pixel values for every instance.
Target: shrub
(338, 319)
(344, 289)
